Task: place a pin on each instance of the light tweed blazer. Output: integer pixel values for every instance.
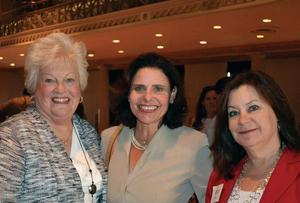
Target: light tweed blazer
(34, 166)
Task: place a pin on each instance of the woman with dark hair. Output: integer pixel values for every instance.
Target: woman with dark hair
(155, 158)
(256, 149)
(205, 111)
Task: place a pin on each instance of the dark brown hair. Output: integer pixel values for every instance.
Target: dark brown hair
(175, 115)
(225, 151)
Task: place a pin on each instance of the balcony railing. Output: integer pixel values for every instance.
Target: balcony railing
(12, 23)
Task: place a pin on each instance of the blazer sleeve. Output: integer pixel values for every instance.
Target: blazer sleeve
(105, 137)
(202, 167)
(12, 166)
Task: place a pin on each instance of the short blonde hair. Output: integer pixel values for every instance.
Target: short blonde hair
(55, 48)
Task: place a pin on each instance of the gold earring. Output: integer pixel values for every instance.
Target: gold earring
(81, 100)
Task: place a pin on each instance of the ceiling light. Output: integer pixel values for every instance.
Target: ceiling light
(203, 42)
(217, 27)
(160, 47)
(158, 35)
(12, 64)
(121, 51)
(267, 20)
(116, 41)
(91, 55)
(21, 54)
(260, 36)
(1, 58)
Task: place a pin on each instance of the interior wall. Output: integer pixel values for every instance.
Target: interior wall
(11, 84)
(286, 73)
(96, 98)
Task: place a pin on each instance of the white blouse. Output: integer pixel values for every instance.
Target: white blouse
(246, 196)
(81, 165)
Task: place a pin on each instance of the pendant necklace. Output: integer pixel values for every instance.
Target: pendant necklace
(92, 187)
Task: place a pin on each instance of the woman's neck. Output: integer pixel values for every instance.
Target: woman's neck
(263, 156)
(145, 132)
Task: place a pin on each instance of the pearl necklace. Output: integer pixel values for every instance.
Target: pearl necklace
(254, 195)
(136, 143)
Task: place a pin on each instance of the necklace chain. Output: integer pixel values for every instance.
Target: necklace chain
(136, 143)
(257, 192)
(92, 188)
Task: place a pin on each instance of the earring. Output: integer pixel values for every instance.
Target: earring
(173, 95)
(278, 126)
(81, 99)
(171, 100)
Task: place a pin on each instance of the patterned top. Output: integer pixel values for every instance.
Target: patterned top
(34, 167)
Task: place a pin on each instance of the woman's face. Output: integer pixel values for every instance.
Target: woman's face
(252, 121)
(149, 95)
(58, 92)
(210, 103)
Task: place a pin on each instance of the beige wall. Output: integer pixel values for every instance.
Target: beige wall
(286, 72)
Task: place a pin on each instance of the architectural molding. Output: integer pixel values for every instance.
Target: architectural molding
(88, 15)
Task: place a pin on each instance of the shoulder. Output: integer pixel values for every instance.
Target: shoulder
(291, 159)
(17, 122)
(191, 136)
(106, 134)
(109, 131)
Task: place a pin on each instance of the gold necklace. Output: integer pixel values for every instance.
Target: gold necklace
(257, 192)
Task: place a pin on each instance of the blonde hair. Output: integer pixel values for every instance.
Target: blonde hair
(55, 48)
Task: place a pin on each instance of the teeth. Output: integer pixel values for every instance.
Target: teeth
(148, 108)
(60, 100)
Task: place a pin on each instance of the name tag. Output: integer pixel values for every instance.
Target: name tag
(217, 190)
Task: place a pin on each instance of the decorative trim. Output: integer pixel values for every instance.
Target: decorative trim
(79, 17)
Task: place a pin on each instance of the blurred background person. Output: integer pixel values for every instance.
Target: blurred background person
(205, 111)
(256, 150)
(14, 106)
(48, 153)
(155, 158)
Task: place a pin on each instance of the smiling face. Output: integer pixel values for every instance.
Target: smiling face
(149, 95)
(58, 92)
(252, 121)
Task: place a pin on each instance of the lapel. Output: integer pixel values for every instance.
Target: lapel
(151, 150)
(288, 168)
(90, 143)
(229, 184)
